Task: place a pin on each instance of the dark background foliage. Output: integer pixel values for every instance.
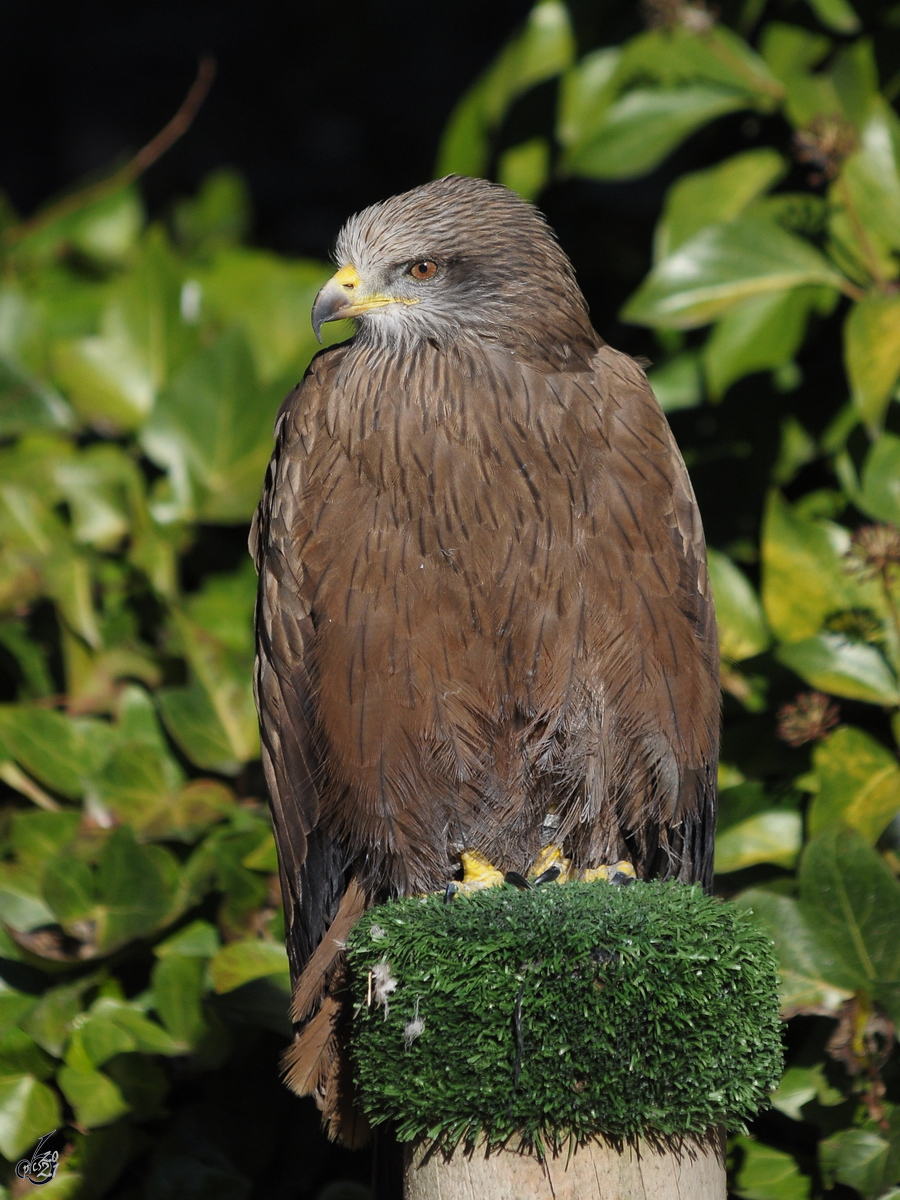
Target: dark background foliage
(144, 344)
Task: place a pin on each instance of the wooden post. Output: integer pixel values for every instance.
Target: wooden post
(692, 1170)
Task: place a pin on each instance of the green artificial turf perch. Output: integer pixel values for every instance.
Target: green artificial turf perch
(563, 1012)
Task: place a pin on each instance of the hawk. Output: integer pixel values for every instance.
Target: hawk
(484, 622)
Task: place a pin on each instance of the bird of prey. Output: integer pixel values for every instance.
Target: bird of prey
(484, 622)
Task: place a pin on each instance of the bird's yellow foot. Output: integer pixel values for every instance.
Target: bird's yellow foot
(619, 873)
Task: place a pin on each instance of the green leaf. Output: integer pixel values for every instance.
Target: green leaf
(544, 48)
(798, 1086)
(643, 127)
(864, 1159)
(28, 1110)
(239, 962)
(872, 354)
(177, 992)
(880, 494)
(716, 195)
(769, 1174)
(525, 168)
(101, 1039)
(93, 1095)
(742, 626)
(805, 578)
(20, 1055)
(133, 894)
(851, 899)
(191, 720)
(270, 299)
(721, 266)
(870, 180)
(836, 14)
(211, 430)
(53, 1017)
(113, 377)
(68, 888)
(678, 383)
(858, 784)
(37, 836)
(149, 1037)
(47, 744)
(218, 216)
(833, 663)
(814, 979)
(761, 333)
(197, 940)
(769, 837)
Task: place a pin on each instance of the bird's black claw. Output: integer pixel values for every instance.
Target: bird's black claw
(517, 880)
(547, 876)
(450, 891)
(621, 878)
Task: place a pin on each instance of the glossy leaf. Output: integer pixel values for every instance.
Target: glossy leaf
(769, 837)
(211, 430)
(525, 168)
(833, 663)
(177, 992)
(880, 492)
(851, 899)
(239, 962)
(644, 126)
(872, 354)
(858, 784)
(544, 48)
(805, 578)
(678, 383)
(761, 333)
(28, 1110)
(46, 744)
(133, 893)
(716, 195)
(814, 977)
(865, 1159)
(870, 181)
(769, 1174)
(721, 266)
(742, 626)
(270, 300)
(800, 1085)
(93, 1095)
(836, 14)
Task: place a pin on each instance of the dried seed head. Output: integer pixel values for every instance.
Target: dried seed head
(670, 14)
(825, 143)
(808, 719)
(873, 549)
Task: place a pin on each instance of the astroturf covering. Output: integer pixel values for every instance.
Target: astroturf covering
(563, 1012)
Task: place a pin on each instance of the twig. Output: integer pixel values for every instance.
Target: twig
(144, 158)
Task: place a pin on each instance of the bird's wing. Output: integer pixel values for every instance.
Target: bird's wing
(321, 903)
(656, 648)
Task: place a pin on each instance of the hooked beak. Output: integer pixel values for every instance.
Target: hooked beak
(340, 298)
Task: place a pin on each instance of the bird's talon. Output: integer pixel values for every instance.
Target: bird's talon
(619, 873)
(548, 876)
(517, 880)
(450, 891)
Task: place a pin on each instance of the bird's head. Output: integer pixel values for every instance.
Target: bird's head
(457, 256)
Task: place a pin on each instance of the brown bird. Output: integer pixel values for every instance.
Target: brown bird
(484, 620)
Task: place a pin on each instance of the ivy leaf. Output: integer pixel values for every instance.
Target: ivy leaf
(239, 962)
(93, 1095)
(714, 196)
(880, 493)
(833, 663)
(858, 784)
(211, 430)
(761, 333)
(805, 577)
(28, 1110)
(864, 1159)
(852, 901)
(768, 837)
(133, 894)
(742, 626)
(177, 991)
(814, 979)
(643, 127)
(721, 266)
(872, 354)
(769, 1174)
(544, 48)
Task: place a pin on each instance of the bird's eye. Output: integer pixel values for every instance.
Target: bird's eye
(426, 269)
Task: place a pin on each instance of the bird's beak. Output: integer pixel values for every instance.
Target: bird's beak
(344, 296)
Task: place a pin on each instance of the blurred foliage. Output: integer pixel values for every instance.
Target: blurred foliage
(141, 365)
